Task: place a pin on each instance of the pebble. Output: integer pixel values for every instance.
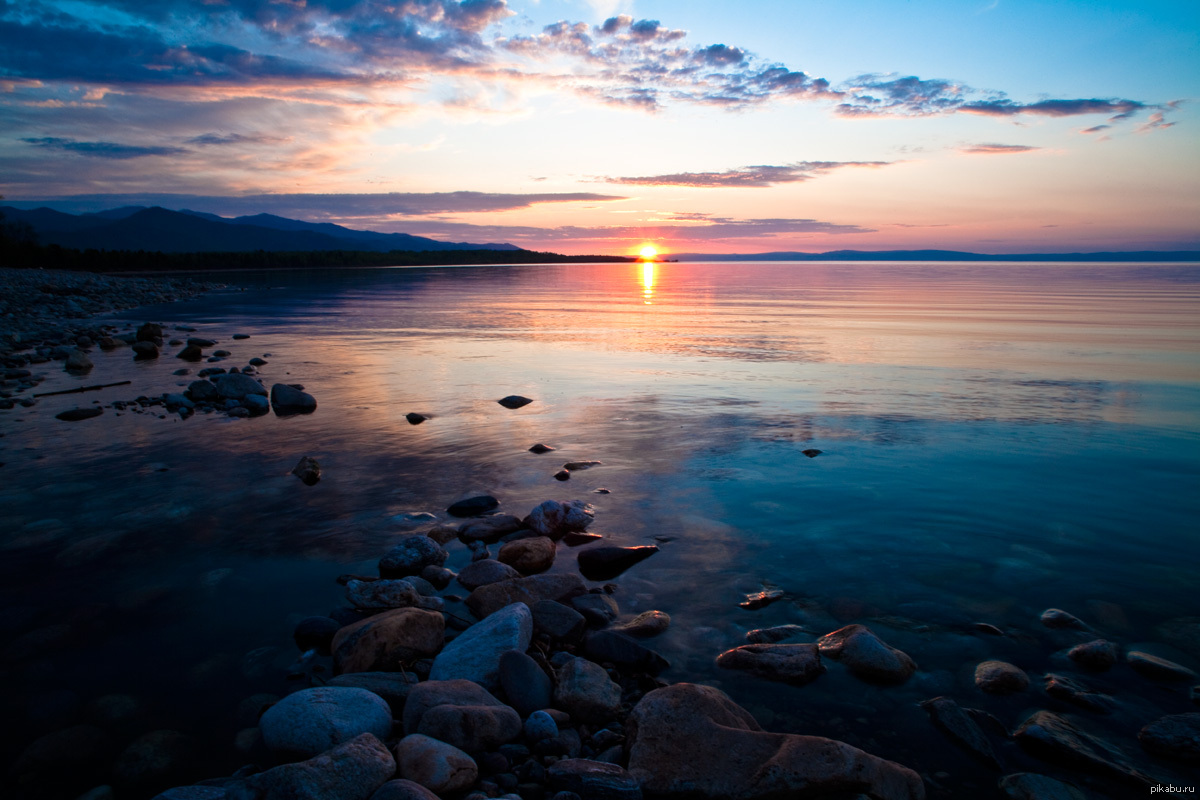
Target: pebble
(410, 556)
(473, 506)
(762, 599)
(483, 572)
(1075, 693)
(308, 470)
(415, 418)
(646, 624)
(528, 556)
(539, 726)
(287, 401)
(1057, 619)
(541, 448)
(557, 620)
(597, 608)
(778, 633)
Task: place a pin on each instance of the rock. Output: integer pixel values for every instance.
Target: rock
(430, 694)
(1070, 691)
(150, 332)
(586, 692)
(491, 597)
(315, 633)
(793, 663)
(258, 362)
(1159, 669)
(615, 648)
(202, 391)
(144, 351)
(191, 353)
(1176, 736)
(1000, 677)
(351, 771)
(758, 600)
(1030, 786)
(472, 729)
(1182, 633)
(644, 625)
(412, 555)
(776, 634)
(195, 792)
(197, 341)
(607, 562)
(1058, 619)
(473, 506)
(155, 761)
(382, 594)
(541, 448)
(690, 741)
(812, 452)
(285, 400)
(597, 609)
(475, 654)
(393, 687)
(576, 538)
(957, 724)
(866, 655)
(403, 790)
(439, 767)
(438, 577)
(553, 518)
(593, 780)
(414, 418)
(525, 684)
(489, 528)
(484, 572)
(514, 401)
(235, 386)
(562, 475)
(256, 404)
(557, 620)
(539, 726)
(173, 401)
(240, 336)
(579, 466)
(528, 556)
(312, 721)
(307, 470)
(77, 414)
(388, 640)
(1053, 738)
(1097, 655)
(78, 362)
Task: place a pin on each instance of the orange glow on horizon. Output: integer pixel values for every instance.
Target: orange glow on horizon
(648, 252)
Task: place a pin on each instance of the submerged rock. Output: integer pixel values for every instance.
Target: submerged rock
(415, 418)
(778, 633)
(762, 599)
(952, 720)
(1054, 738)
(312, 721)
(1159, 669)
(616, 648)
(473, 506)
(1000, 677)
(645, 625)
(308, 470)
(1070, 691)
(793, 663)
(1176, 737)
(554, 518)
(1058, 619)
(541, 448)
(866, 655)
(514, 401)
(77, 414)
(1097, 655)
(607, 562)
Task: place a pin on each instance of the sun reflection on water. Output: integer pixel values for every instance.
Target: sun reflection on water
(647, 282)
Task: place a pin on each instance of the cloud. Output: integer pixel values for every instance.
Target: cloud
(1096, 129)
(103, 149)
(748, 176)
(1154, 123)
(226, 139)
(996, 149)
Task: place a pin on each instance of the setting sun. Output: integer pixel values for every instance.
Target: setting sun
(649, 252)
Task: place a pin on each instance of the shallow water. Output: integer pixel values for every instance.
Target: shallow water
(996, 439)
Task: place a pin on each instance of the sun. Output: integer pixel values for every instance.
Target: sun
(649, 252)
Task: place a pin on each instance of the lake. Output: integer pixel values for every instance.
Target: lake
(995, 440)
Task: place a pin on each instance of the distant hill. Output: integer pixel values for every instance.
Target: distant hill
(136, 228)
(941, 255)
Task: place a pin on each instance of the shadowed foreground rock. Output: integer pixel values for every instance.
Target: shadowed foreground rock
(691, 741)
(351, 771)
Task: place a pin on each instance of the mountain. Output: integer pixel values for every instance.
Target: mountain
(940, 255)
(158, 229)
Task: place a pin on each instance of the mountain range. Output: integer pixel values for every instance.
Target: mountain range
(159, 229)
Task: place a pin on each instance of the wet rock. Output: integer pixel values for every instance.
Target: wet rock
(811, 452)
(156, 760)
(541, 448)
(1000, 677)
(439, 577)
(557, 620)
(144, 351)
(489, 598)
(191, 353)
(150, 332)
(1159, 669)
(793, 663)
(586, 692)
(1097, 655)
(593, 780)
(432, 693)
(525, 684)
(403, 790)
(576, 538)
(1054, 738)
(778, 633)
(514, 401)
(1063, 688)
(315, 633)
(866, 655)
(439, 767)
(308, 470)
(412, 520)
(579, 466)
(475, 654)
(415, 418)
(644, 625)
(528, 556)
(484, 572)
(77, 414)
(1176, 737)
(958, 725)
(758, 600)
(240, 336)
(78, 363)
(616, 648)
(202, 391)
(393, 687)
(410, 556)
(489, 528)
(562, 475)
(199, 341)
(597, 609)
(1030, 786)
(285, 400)
(382, 594)
(473, 506)
(386, 641)
(1182, 633)
(351, 771)
(258, 362)
(695, 742)
(235, 386)
(607, 562)
(1057, 619)
(554, 518)
(312, 721)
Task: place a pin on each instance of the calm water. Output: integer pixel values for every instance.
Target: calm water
(995, 439)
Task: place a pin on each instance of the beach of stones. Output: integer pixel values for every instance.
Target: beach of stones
(544, 690)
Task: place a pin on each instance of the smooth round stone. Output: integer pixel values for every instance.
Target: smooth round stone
(646, 624)
(525, 684)
(410, 556)
(312, 721)
(793, 663)
(439, 767)
(586, 692)
(539, 726)
(528, 556)
(1097, 655)
(1000, 677)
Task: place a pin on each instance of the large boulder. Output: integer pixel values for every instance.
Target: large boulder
(492, 597)
(312, 721)
(385, 641)
(554, 518)
(691, 741)
(866, 655)
(1176, 736)
(475, 654)
(351, 771)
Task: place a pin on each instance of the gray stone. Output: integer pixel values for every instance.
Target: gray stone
(202, 391)
(489, 528)
(557, 620)
(312, 721)
(393, 687)
(606, 562)
(586, 692)
(475, 654)
(410, 556)
(433, 693)
(554, 518)
(287, 400)
(644, 625)
(597, 609)
(593, 780)
(388, 641)
(1030, 786)
(235, 386)
(778, 633)
(472, 729)
(485, 571)
(174, 401)
(539, 726)
(525, 684)
(866, 655)
(403, 790)
(528, 556)
(352, 770)
(256, 404)
(1176, 736)
(190, 353)
(793, 663)
(382, 594)
(487, 599)
(438, 577)
(961, 728)
(144, 351)
(437, 766)
(78, 362)
(1000, 677)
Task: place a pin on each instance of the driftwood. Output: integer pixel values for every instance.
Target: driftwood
(79, 389)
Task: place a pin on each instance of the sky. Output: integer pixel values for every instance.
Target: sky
(596, 126)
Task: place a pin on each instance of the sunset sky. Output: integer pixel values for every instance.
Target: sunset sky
(593, 126)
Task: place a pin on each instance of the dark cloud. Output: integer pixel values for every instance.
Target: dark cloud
(1053, 108)
(225, 139)
(103, 149)
(747, 176)
(996, 149)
